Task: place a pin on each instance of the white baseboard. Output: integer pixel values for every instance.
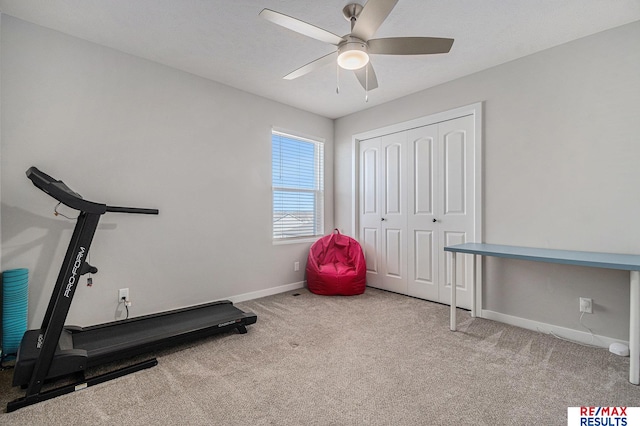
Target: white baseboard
(266, 292)
(562, 332)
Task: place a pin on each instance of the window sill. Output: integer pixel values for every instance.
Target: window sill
(285, 241)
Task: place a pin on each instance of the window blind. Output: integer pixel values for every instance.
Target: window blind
(298, 186)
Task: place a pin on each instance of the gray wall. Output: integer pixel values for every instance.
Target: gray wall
(561, 152)
(126, 131)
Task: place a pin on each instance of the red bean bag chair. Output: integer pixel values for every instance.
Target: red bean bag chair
(336, 266)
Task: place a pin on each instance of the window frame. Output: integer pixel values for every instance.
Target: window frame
(318, 191)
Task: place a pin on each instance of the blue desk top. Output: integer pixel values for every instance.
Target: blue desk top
(626, 262)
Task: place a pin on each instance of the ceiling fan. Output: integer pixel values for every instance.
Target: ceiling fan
(353, 49)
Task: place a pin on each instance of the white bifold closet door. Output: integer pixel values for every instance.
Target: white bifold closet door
(416, 197)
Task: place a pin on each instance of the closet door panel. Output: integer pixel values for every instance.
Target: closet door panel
(423, 272)
(456, 141)
(423, 240)
(454, 172)
(369, 202)
(393, 223)
(451, 238)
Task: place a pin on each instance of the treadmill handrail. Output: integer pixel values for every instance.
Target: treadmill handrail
(61, 192)
(137, 210)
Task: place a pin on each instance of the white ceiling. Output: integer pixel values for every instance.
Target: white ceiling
(226, 40)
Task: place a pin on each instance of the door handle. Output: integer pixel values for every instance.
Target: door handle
(435, 220)
(383, 219)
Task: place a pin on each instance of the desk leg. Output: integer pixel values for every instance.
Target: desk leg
(473, 285)
(634, 328)
(452, 319)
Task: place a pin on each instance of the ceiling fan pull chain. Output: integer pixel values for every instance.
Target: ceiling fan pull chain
(337, 79)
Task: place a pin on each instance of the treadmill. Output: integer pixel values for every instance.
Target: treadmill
(56, 351)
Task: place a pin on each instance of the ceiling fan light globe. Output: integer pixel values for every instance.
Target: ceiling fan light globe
(352, 55)
(353, 59)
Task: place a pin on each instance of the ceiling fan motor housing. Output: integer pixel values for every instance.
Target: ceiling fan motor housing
(352, 53)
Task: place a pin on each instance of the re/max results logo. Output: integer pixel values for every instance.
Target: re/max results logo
(603, 416)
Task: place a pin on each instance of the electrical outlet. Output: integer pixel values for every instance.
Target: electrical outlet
(296, 266)
(586, 305)
(123, 293)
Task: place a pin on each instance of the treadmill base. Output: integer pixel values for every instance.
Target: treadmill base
(79, 385)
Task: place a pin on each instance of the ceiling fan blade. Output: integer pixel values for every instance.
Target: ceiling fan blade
(409, 45)
(362, 77)
(301, 27)
(371, 17)
(311, 66)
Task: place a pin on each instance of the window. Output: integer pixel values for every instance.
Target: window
(298, 186)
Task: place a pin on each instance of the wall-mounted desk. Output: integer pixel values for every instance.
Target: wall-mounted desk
(625, 262)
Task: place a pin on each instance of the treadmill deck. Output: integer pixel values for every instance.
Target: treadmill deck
(80, 348)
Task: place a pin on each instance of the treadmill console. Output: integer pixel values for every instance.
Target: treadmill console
(61, 192)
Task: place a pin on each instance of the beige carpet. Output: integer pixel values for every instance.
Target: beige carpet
(374, 359)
